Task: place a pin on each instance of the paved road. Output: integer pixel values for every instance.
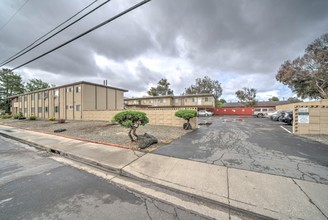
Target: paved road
(34, 186)
(255, 144)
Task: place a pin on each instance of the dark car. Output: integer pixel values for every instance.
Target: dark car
(289, 118)
(278, 116)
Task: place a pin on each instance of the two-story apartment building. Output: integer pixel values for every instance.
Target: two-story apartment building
(68, 101)
(170, 101)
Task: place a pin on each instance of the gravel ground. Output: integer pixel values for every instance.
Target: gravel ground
(100, 131)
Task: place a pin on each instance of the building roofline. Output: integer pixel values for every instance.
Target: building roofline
(70, 84)
(170, 96)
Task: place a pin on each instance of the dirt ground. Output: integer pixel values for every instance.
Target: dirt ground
(100, 131)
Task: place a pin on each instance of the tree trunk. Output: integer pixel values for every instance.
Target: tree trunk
(134, 129)
(130, 136)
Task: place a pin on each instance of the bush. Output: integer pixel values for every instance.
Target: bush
(16, 116)
(131, 119)
(187, 115)
(52, 119)
(6, 116)
(32, 117)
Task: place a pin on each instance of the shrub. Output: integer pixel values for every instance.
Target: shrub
(131, 119)
(16, 116)
(6, 116)
(52, 119)
(187, 115)
(32, 117)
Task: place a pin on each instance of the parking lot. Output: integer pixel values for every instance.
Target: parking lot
(256, 144)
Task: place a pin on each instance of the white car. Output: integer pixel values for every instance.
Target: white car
(204, 113)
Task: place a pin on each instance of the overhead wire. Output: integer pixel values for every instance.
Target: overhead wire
(7, 22)
(30, 45)
(86, 32)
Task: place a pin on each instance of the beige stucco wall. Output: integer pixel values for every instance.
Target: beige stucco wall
(156, 116)
(318, 117)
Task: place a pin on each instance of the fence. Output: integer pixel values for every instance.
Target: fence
(158, 116)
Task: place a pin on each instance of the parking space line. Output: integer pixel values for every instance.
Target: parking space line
(285, 129)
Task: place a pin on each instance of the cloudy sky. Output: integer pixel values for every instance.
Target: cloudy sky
(241, 43)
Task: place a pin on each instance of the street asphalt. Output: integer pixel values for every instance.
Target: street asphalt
(34, 186)
(255, 144)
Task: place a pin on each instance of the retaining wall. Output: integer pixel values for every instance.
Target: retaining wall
(156, 116)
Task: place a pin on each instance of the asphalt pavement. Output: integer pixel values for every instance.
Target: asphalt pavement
(33, 186)
(255, 144)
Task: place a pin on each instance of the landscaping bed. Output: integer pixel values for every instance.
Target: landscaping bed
(100, 131)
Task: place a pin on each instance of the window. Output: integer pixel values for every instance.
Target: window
(32, 97)
(32, 110)
(56, 93)
(206, 99)
(46, 109)
(25, 110)
(69, 89)
(77, 89)
(46, 95)
(185, 100)
(264, 110)
(176, 100)
(20, 109)
(161, 100)
(39, 109)
(19, 98)
(194, 99)
(56, 109)
(143, 101)
(39, 96)
(78, 108)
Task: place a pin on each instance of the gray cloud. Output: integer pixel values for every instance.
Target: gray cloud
(248, 39)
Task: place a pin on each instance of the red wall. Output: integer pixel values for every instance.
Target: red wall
(233, 111)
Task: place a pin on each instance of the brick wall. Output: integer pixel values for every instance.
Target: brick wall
(156, 116)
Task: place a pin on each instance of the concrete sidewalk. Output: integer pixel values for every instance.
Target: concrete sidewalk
(267, 195)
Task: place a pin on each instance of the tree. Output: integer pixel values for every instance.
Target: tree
(247, 96)
(274, 99)
(10, 84)
(36, 84)
(161, 89)
(186, 114)
(131, 119)
(294, 100)
(206, 85)
(221, 102)
(307, 76)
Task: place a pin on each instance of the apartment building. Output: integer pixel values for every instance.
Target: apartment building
(68, 101)
(170, 101)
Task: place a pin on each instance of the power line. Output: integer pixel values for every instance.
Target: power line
(51, 36)
(4, 25)
(4, 62)
(86, 32)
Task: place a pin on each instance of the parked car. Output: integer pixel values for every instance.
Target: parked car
(204, 113)
(262, 112)
(286, 115)
(277, 116)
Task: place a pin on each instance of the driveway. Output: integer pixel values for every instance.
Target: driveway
(255, 144)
